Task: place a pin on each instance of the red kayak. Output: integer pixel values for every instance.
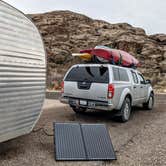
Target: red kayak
(114, 56)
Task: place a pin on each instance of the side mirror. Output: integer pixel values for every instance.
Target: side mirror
(148, 81)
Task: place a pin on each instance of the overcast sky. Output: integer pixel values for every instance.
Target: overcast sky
(148, 14)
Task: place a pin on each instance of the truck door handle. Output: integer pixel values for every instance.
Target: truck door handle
(141, 87)
(134, 87)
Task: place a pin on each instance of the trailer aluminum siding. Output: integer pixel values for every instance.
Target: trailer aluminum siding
(22, 73)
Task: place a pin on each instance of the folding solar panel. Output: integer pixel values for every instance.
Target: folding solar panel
(75, 141)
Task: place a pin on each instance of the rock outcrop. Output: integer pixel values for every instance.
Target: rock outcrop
(65, 32)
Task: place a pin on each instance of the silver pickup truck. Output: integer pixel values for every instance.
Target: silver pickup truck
(106, 87)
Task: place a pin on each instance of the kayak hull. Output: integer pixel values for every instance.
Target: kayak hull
(84, 56)
(114, 56)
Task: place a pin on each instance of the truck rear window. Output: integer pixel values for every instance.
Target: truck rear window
(89, 74)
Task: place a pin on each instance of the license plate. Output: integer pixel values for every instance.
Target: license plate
(83, 102)
(91, 104)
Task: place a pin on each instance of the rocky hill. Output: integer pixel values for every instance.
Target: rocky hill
(65, 32)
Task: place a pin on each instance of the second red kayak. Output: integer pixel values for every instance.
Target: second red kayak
(114, 56)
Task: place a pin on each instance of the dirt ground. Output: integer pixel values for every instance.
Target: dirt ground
(139, 142)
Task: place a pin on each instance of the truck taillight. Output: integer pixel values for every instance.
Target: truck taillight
(62, 87)
(111, 91)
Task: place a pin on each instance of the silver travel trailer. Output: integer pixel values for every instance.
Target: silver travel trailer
(22, 73)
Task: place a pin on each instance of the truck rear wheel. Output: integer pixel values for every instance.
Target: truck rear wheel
(125, 110)
(79, 109)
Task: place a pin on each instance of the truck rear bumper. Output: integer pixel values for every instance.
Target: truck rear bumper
(89, 104)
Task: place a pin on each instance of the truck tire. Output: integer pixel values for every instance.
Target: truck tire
(79, 110)
(125, 110)
(150, 103)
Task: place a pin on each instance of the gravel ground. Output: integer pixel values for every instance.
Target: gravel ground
(139, 142)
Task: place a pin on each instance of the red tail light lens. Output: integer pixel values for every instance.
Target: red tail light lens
(111, 90)
(62, 87)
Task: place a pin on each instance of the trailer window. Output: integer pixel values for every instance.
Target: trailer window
(98, 74)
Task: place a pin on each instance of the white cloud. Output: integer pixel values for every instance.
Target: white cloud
(148, 14)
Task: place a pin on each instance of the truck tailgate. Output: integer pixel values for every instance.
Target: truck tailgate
(95, 91)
